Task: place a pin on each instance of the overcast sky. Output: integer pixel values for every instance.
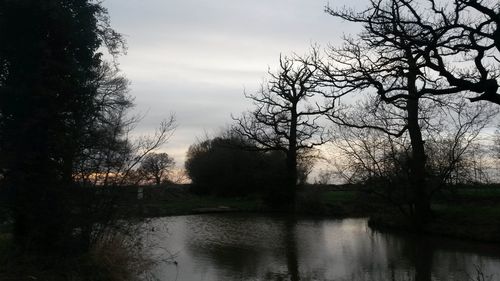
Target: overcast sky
(194, 58)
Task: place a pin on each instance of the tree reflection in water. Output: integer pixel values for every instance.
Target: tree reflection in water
(291, 249)
(253, 247)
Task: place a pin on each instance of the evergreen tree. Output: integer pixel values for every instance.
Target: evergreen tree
(49, 63)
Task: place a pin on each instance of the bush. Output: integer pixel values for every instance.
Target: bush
(233, 167)
(118, 258)
(115, 257)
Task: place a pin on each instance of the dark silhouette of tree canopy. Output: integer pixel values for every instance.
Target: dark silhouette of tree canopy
(156, 166)
(49, 63)
(104, 146)
(226, 166)
(286, 115)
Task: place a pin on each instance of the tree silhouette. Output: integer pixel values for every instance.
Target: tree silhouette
(104, 145)
(387, 60)
(49, 61)
(286, 115)
(157, 166)
(467, 31)
(229, 165)
(380, 162)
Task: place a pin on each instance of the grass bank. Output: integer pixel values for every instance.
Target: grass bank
(467, 213)
(310, 201)
(470, 212)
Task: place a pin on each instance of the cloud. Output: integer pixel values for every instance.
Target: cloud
(194, 58)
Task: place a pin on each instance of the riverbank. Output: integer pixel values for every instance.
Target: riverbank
(110, 259)
(470, 213)
(478, 223)
(338, 203)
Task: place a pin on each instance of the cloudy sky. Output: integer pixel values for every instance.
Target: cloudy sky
(194, 58)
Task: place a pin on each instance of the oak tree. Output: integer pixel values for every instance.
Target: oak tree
(287, 115)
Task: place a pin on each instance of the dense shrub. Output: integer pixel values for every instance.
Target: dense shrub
(228, 166)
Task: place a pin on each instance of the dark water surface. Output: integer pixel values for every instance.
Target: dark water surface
(257, 247)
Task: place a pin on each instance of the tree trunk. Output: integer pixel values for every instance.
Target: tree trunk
(291, 159)
(418, 175)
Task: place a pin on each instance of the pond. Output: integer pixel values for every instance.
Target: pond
(257, 247)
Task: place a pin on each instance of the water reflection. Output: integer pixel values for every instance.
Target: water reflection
(250, 247)
(291, 249)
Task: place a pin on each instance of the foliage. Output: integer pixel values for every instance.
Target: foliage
(229, 166)
(63, 123)
(47, 99)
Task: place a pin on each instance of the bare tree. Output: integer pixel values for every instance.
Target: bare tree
(381, 162)
(373, 158)
(114, 157)
(104, 145)
(157, 166)
(108, 158)
(464, 31)
(286, 115)
(458, 41)
(453, 141)
(388, 61)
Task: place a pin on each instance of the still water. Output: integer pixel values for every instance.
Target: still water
(257, 247)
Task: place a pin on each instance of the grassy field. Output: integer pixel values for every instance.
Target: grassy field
(479, 192)
(468, 213)
(471, 221)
